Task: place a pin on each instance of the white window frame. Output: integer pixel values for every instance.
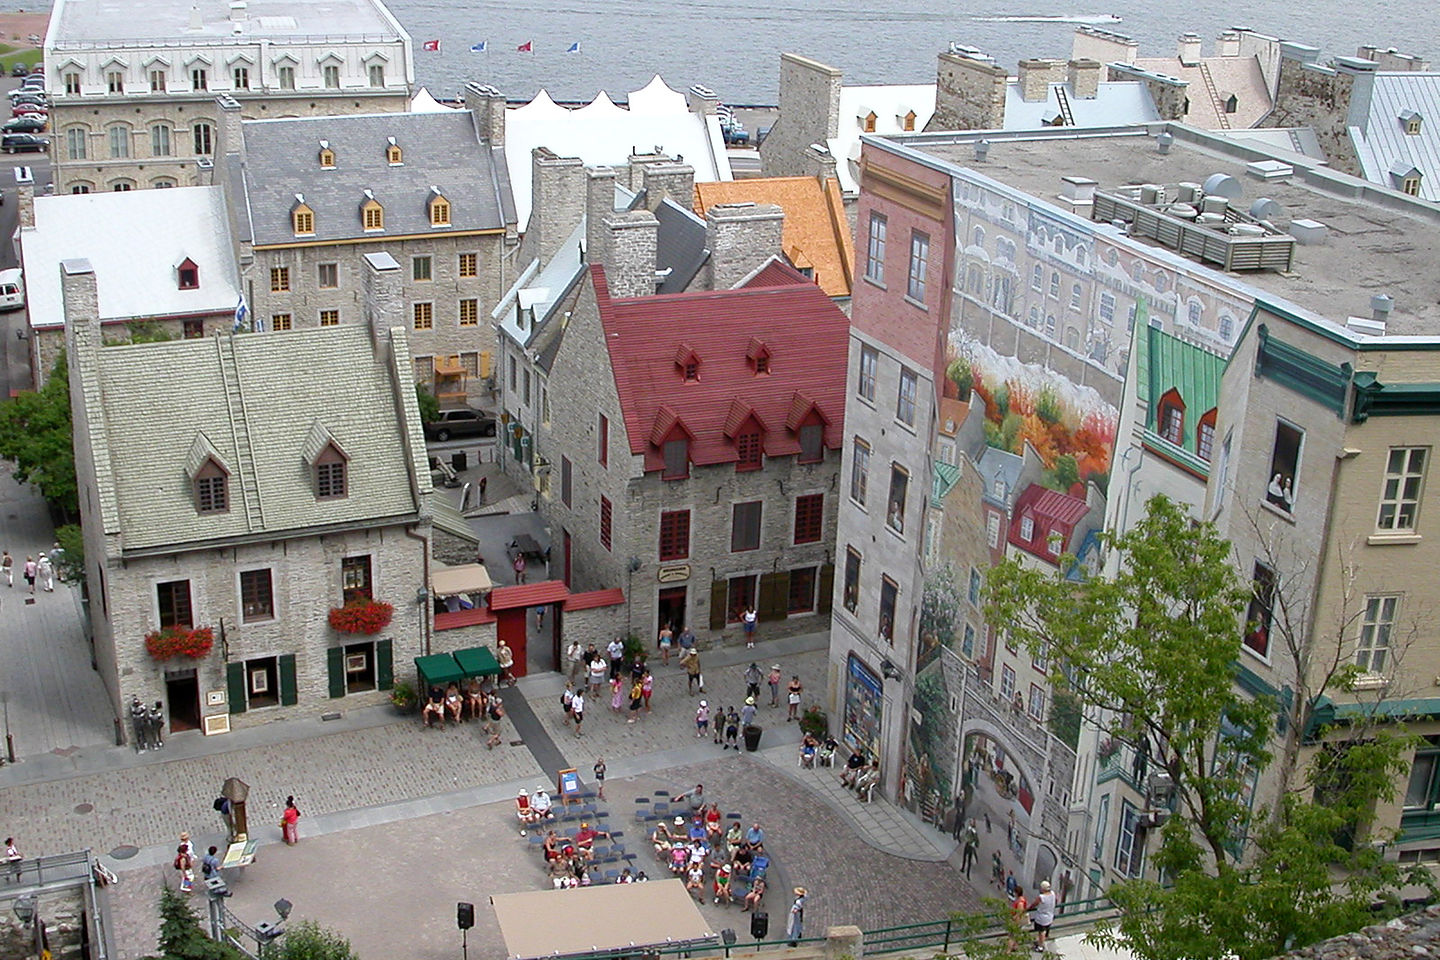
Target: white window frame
(1377, 625)
(1401, 489)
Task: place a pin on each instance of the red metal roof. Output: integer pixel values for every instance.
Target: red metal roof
(456, 619)
(805, 334)
(595, 598)
(528, 595)
(1050, 512)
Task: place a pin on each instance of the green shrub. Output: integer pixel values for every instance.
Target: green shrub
(814, 721)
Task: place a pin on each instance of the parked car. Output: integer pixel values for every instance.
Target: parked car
(461, 422)
(36, 81)
(20, 109)
(12, 289)
(29, 96)
(12, 142)
(26, 123)
(19, 70)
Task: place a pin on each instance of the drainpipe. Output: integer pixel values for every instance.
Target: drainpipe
(425, 587)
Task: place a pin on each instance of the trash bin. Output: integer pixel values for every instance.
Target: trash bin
(752, 737)
(458, 460)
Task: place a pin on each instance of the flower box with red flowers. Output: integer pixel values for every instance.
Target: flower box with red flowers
(179, 642)
(362, 616)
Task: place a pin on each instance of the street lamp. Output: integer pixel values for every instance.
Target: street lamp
(27, 910)
(267, 932)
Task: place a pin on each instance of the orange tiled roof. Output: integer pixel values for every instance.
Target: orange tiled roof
(817, 232)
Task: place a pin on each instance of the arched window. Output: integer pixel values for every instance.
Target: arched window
(1194, 310)
(1227, 326)
(977, 237)
(119, 137)
(1205, 436)
(1170, 417)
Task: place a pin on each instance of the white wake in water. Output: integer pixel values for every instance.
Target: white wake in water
(1058, 18)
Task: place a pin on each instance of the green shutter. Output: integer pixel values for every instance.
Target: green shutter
(335, 661)
(235, 678)
(774, 596)
(385, 664)
(288, 693)
(827, 588)
(718, 591)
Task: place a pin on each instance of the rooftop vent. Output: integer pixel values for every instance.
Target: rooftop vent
(982, 150)
(1269, 170)
(1223, 185)
(1187, 192)
(1264, 209)
(1221, 234)
(1078, 189)
(1380, 306)
(1308, 232)
(1164, 142)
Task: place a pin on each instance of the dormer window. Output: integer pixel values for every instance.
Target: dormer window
(677, 458)
(688, 362)
(393, 154)
(1170, 420)
(867, 122)
(327, 156)
(302, 217)
(1410, 121)
(1406, 176)
(749, 450)
(330, 474)
(1027, 528)
(187, 275)
(907, 122)
(439, 209)
(371, 213)
(212, 489)
(758, 353)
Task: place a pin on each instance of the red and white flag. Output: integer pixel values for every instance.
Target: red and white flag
(432, 46)
(527, 47)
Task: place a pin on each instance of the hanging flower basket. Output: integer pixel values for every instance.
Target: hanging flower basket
(180, 642)
(362, 616)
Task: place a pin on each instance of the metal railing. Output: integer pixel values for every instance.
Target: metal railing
(40, 871)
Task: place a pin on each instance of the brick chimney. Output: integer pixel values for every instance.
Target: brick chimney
(630, 253)
(741, 237)
(557, 202)
(487, 109)
(1036, 75)
(969, 92)
(599, 204)
(673, 180)
(1084, 77)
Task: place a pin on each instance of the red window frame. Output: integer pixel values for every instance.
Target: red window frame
(809, 518)
(674, 535)
(606, 518)
(748, 451)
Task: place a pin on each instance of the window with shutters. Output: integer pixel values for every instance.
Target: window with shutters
(262, 682)
(359, 664)
(809, 518)
(674, 535)
(802, 590)
(606, 517)
(355, 582)
(745, 526)
(257, 600)
(172, 600)
(566, 480)
(740, 596)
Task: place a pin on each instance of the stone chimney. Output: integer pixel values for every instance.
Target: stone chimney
(673, 180)
(384, 298)
(1188, 49)
(969, 92)
(741, 237)
(1093, 43)
(80, 305)
(633, 176)
(1084, 76)
(599, 204)
(703, 100)
(238, 11)
(820, 164)
(809, 113)
(487, 109)
(25, 198)
(232, 140)
(1229, 44)
(557, 202)
(1036, 75)
(630, 253)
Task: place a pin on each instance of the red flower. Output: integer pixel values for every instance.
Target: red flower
(361, 615)
(180, 642)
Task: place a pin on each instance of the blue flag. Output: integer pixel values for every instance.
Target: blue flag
(573, 48)
(478, 47)
(240, 312)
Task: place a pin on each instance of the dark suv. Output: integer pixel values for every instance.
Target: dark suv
(462, 422)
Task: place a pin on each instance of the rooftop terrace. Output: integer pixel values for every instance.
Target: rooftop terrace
(88, 23)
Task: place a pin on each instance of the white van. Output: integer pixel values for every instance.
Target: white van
(12, 289)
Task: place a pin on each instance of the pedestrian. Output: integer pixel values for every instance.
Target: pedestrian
(1044, 908)
(157, 725)
(637, 667)
(774, 681)
(45, 572)
(577, 711)
(567, 701)
(30, 569)
(12, 859)
(1018, 907)
(519, 566)
(616, 651)
(57, 559)
(506, 658)
(1010, 885)
(539, 619)
(719, 724)
(686, 641)
(140, 724)
(494, 713)
(210, 863)
(597, 674)
(637, 697)
(184, 864)
(667, 639)
(599, 778)
(747, 712)
(7, 564)
(792, 697)
(752, 680)
(795, 929)
(484, 482)
(691, 661)
(748, 618)
(290, 822)
(732, 729)
(574, 658)
(702, 719)
(971, 850)
(617, 693)
(647, 687)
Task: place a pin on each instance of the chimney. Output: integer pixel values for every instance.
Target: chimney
(557, 202)
(487, 110)
(703, 100)
(1188, 49)
(196, 23)
(741, 237)
(1036, 75)
(969, 92)
(1380, 306)
(1093, 43)
(81, 310)
(599, 204)
(1361, 74)
(1084, 76)
(673, 180)
(238, 12)
(820, 163)
(630, 253)
(1229, 44)
(25, 198)
(634, 173)
(384, 297)
(809, 100)
(232, 139)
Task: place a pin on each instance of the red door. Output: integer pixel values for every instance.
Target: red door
(510, 630)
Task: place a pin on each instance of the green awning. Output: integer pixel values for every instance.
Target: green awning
(445, 516)
(477, 662)
(437, 670)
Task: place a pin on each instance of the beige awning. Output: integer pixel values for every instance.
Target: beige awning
(611, 916)
(446, 581)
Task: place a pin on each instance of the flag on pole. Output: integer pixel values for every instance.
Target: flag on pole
(478, 47)
(527, 47)
(240, 312)
(573, 48)
(431, 46)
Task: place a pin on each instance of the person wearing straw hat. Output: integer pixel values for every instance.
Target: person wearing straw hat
(795, 928)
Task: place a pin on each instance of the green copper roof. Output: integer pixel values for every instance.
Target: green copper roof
(946, 476)
(1167, 363)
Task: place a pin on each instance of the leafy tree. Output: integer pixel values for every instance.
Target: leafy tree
(1047, 406)
(181, 937)
(307, 940)
(961, 375)
(72, 561)
(1065, 474)
(35, 435)
(141, 331)
(429, 406)
(1151, 652)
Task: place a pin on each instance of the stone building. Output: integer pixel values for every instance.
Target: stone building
(311, 196)
(693, 452)
(231, 491)
(163, 262)
(133, 85)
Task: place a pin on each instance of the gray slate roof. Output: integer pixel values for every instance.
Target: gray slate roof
(282, 159)
(158, 399)
(679, 246)
(1383, 142)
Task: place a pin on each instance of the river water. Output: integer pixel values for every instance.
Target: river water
(733, 46)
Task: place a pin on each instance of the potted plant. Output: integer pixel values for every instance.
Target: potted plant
(815, 722)
(168, 642)
(403, 696)
(361, 615)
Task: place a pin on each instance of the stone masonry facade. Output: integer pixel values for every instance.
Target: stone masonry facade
(969, 94)
(809, 113)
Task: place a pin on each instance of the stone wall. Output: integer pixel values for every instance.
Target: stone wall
(741, 237)
(969, 94)
(630, 253)
(809, 113)
(557, 204)
(63, 913)
(1315, 96)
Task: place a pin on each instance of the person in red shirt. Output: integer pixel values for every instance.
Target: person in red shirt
(1018, 908)
(585, 839)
